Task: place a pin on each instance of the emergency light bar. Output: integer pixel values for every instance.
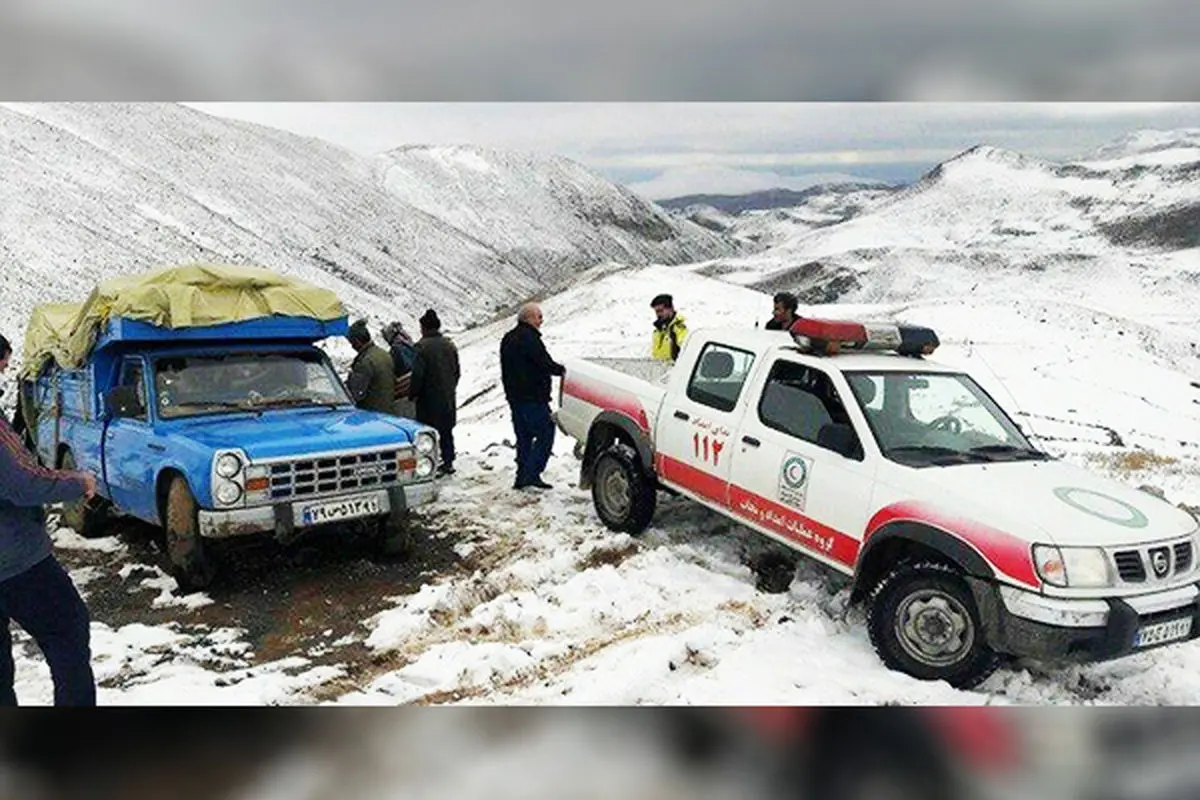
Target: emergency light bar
(829, 337)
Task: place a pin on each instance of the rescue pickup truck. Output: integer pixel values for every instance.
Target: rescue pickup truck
(845, 443)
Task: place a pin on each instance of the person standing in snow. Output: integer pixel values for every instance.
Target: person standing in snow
(372, 379)
(35, 590)
(526, 369)
(434, 385)
(670, 331)
(786, 305)
(403, 355)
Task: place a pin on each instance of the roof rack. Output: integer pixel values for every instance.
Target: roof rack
(829, 337)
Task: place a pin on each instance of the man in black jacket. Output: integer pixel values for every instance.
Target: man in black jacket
(526, 369)
(786, 305)
(434, 385)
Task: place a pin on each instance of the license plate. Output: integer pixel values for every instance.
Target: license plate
(338, 510)
(1163, 632)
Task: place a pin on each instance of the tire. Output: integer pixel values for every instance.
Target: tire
(392, 539)
(88, 519)
(624, 496)
(191, 563)
(936, 596)
(774, 573)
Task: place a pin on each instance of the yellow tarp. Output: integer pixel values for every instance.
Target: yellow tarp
(189, 296)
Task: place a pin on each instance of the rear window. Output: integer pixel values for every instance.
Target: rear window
(719, 377)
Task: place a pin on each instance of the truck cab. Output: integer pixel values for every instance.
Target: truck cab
(219, 431)
(846, 444)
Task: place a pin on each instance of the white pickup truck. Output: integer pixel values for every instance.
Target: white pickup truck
(846, 444)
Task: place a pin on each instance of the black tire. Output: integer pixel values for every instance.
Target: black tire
(392, 539)
(624, 496)
(90, 519)
(907, 638)
(774, 573)
(191, 564)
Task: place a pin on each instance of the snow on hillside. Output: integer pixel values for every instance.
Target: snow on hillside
(546, 213)
(91, 191)
(989, 218)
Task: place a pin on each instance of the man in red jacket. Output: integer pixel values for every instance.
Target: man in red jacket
(35, 591)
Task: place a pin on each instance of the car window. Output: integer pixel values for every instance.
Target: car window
(800, 401)
(133, 374)
(719, 377)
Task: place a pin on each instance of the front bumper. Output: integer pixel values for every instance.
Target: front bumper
(285, 518)
(1031, 625)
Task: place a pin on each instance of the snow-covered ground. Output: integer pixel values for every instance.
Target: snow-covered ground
(563, 611)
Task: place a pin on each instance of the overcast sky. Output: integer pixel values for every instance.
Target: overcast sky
(669, 149)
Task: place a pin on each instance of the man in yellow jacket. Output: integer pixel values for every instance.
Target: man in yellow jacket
(670, 331)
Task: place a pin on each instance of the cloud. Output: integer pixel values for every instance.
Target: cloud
(723, 180)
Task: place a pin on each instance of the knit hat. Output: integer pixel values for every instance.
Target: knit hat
(430, 321)
(359, 332)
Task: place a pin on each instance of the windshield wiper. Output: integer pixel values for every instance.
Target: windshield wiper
(1012, 450)
(289, 402)
(938, 456)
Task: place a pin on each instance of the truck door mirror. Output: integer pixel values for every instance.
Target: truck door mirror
(122, 402)
(841, 439)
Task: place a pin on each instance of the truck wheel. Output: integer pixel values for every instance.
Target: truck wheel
(392, 539)
(191, 563)
(88, 519)
(625, 498)
(923, 621)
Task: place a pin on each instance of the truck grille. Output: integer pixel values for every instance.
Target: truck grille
(335, 474)
(1154, 563)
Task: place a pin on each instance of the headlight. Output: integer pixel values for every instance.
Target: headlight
(425, 467)
(426, 443)
(1073, 567)
(228, 493)
(228, 466)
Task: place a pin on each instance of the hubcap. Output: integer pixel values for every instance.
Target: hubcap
(616, 493)
(934, 628)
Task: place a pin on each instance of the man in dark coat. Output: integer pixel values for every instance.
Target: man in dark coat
(372, 380)
(526, 369)
(786, 305)
(35, 591)
(434, 385)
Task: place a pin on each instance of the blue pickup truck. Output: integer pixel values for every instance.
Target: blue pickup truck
(223, 431)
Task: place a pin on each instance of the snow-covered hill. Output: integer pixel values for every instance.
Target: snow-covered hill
(547, 214)
(89, 191)
(988, 215)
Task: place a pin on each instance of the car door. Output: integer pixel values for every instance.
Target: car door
(695, 428)
(130, 452)
(784, 483)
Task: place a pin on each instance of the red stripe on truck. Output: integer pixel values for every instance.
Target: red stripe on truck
(794, 526)
(607, 398)
(759, 510)
(1005, 552)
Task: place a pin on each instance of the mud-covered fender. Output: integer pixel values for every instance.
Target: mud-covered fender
(608, 427)
(882, 545)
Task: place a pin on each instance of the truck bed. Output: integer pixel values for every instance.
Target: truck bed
(632, 388)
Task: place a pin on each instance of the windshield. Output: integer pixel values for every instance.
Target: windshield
(934, 419)
(193, 385)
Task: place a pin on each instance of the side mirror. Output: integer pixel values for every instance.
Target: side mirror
(123, 402)
(841, 439)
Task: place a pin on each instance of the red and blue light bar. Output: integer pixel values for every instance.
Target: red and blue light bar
(831, 336)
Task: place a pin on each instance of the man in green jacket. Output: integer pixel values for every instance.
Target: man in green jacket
(372, 380)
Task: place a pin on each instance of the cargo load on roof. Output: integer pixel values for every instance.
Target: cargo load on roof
(177, 297)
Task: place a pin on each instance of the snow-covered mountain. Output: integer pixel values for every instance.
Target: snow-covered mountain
(546, 214)
(89, 191)
(771, 198)
(992, 220)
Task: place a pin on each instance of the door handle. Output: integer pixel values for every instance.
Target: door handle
(682, 415)
(750, 440)
(158, 448)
